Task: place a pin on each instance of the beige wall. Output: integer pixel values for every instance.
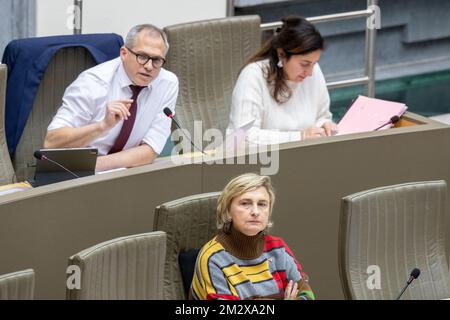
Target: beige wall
(51, 17)
(119, 16)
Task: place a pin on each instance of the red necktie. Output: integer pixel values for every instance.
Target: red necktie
(127, 125)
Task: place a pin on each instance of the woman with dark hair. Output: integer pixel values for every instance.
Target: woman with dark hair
(283, 89)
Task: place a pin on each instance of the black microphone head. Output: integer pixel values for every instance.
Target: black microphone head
(395, 119)
(415, 273)
(38, 155)
(168, 112)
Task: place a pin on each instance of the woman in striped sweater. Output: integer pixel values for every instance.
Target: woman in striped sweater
(243, 261)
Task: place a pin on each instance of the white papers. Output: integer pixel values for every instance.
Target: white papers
(14, 187)
(108, 171)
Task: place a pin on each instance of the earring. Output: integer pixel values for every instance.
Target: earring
(280, 63)
(227, 226)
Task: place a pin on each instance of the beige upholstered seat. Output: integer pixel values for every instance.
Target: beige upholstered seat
(6, 168)
(395, 228)
(207, 56)
(189, 223)
(17, 285)
(128, 268)
(62, 70)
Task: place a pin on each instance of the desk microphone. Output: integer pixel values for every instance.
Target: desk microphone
(414, 275)
(169, 113)
(393, 120)
(40, 156)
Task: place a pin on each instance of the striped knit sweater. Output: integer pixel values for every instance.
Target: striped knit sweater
(235, 266)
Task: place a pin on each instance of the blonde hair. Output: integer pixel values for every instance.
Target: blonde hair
(238, 186)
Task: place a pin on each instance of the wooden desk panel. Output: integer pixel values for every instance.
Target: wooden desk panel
(46, 225)
(315, 175)
(42, 227)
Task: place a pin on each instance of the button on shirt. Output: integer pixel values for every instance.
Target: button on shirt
(85, 100)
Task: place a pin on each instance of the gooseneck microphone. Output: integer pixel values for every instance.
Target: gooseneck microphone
(392, 120)
(40, 156)
(169, 113)
(414, 275)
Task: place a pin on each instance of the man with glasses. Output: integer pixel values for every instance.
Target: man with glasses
(117, 106)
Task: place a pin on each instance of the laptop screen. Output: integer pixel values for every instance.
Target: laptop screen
(58, 165)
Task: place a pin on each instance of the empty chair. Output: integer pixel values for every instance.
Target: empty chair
(207, 56)
(6, 168)
(126, 268)
(189, 223)
(62, 70)
(17, 285)
(385, 233)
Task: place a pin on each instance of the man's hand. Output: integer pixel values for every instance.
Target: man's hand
(116, 111)
(67, 137)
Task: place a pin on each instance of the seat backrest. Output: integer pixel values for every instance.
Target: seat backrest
(207, 56)
(189, 222)
(6, 168)
(385, 233)
(62, 70)
(126, 268)
(17, 285)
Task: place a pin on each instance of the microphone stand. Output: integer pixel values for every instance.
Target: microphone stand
(411, 279)
(61, 166)
(169, 114)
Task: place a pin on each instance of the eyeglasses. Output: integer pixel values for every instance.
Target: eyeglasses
(143, 59)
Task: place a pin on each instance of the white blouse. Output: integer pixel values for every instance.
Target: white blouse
(308, 106)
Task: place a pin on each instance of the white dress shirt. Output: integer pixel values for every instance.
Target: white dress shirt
(308, 106)
(85, 100)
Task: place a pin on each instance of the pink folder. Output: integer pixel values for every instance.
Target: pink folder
(367, 114)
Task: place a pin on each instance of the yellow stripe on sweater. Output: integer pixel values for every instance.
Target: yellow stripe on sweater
(205, 288)
(257, 273)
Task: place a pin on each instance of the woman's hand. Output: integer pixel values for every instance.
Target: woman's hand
(330, 128)
(312, 133)
(291, 291)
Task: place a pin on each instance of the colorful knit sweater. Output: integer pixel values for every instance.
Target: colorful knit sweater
(235, 266)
